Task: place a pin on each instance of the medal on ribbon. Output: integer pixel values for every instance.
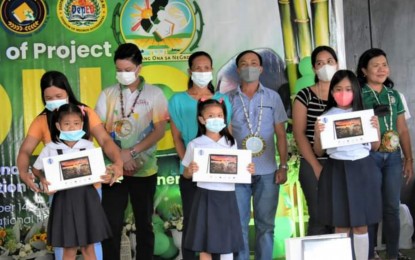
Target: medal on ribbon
(123, 128)
(253, 141)
(390, 141)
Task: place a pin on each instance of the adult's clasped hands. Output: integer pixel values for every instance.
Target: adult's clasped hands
(114, 173)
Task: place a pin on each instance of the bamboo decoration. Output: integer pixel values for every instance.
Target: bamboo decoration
(303, 25)
(320, 22)
(290, 49)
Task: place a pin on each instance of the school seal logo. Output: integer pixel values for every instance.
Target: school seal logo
(164, 29)
(23, 17)
(82, 16)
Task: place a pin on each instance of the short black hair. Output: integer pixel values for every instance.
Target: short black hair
(245, 52)
(128, 51)
(364, 62)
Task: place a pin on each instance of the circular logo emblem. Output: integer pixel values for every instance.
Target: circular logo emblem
(23, 16)
(82, 16)
(123, 128)
(392, 100)
(162, 29)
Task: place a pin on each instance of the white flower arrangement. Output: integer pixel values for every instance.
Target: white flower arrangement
(175, 220)
(22, 242)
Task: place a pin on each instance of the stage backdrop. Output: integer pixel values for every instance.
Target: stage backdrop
(79, 37)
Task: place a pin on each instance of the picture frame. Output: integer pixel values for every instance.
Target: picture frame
(347, 129)
(72, 170)
(222, 165)
(319, 247)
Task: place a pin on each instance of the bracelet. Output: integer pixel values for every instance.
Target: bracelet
(284, 166)
(133, 153)
(409, 159)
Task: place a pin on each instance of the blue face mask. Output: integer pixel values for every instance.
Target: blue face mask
(51, 105)
(215, 124)
(71, 135)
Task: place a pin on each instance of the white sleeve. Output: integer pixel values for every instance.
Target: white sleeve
(101, 106)
(188, 156)
(39, 161)
(90, 145)
(405, 106)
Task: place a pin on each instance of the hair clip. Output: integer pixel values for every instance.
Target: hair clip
(220, 100)
(202, 99)
(82, 110)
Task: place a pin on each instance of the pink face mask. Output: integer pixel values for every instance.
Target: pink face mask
(343, 98)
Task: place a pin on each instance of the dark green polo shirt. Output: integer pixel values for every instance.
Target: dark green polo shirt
(369, 100)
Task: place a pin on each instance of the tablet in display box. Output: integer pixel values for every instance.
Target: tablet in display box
(321, 247)
(222, 165)
(348, 128)
(72, 170)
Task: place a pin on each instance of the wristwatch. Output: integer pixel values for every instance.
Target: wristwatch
(133, 153)
(284, 166)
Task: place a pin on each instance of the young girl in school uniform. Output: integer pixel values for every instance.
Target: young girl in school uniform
(213, 226)
(349, 187)
(76, 217)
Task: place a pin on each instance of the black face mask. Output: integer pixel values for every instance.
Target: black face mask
(381, 110)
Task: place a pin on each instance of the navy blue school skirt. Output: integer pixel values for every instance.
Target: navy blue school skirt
(77, 218)
(349, 193)
(214, 223)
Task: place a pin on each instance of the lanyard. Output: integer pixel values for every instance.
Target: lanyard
(132, 107)
(388, 127)
(247, 116)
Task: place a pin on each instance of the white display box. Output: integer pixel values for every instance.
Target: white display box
(348, 128)
(222, 165)
(71, 170)
(322, 247)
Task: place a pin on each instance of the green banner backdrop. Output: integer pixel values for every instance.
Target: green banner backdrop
(79, 37)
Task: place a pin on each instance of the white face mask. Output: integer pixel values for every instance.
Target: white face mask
(326, 72)
(51, 105)
(202, 79)
(215, 124)
(126, 78)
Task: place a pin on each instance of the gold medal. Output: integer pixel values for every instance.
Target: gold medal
(254, 143)
(123, 128)
(390, 141)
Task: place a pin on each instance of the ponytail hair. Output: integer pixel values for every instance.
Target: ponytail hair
(64, 110)
(201, 106)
